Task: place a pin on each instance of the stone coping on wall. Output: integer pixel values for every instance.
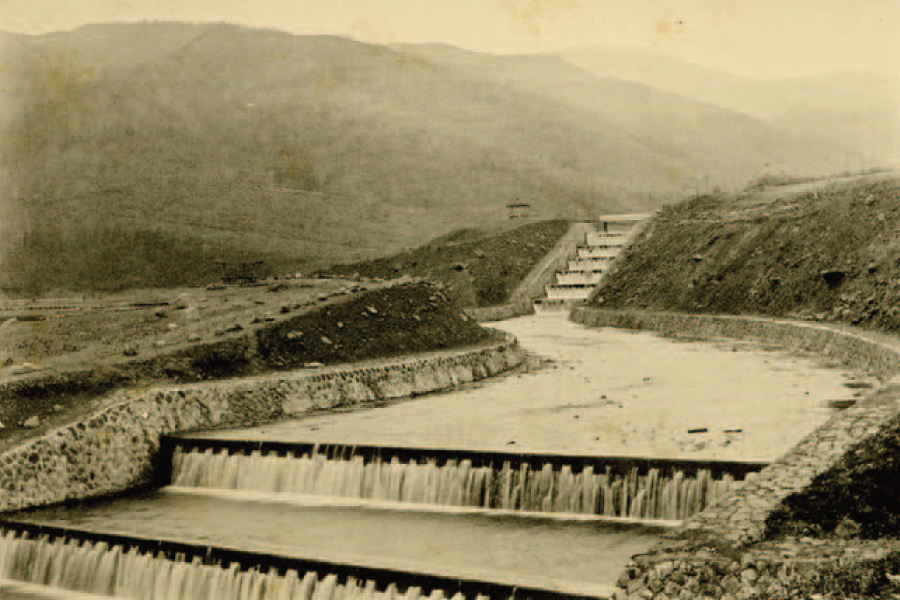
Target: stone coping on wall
(870, 352)
(113, 449)
(484, 314)
(737, 522)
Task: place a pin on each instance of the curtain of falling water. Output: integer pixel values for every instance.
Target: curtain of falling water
(111, 571)
(457, 484)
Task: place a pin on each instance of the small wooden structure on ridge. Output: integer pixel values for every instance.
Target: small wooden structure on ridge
(242, 273)
(519, 210)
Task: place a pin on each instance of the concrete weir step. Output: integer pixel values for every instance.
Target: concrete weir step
(86, 564)
(623, 489)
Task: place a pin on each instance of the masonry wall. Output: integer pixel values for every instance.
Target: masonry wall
(675, 568)
(114, 449)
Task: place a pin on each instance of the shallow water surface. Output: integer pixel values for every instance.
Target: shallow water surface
(503, 549)
(608, 393)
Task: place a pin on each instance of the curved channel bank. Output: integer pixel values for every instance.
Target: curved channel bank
(114, 449)
(711, 554)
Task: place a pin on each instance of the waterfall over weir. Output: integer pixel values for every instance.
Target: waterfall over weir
(105, 569)
(653, 495)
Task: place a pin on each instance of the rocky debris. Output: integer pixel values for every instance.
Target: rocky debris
(313, 365)
(831, 258)
(786, 569)
(233, 328)
(833, 277)
(31, 422)
(129, 352)
(194, 338)
(159, 313)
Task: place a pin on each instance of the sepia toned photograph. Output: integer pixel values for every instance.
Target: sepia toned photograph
(449, 299)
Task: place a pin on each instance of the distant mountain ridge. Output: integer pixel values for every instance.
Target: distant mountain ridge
(841, 110)
(324, 149)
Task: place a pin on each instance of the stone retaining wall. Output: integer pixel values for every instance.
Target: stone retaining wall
(738, 520)
(863, 351)
(114, 449)
(483, 314)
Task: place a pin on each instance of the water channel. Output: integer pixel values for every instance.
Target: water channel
(554, 526)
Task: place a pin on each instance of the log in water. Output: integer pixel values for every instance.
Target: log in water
(654, 495)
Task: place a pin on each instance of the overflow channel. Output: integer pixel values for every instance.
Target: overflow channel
(611, 487)
(424, 499)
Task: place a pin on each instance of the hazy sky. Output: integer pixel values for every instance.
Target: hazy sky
(757, 38)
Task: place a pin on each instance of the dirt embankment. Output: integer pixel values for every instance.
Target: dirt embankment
(402, 319)
(479, 268)
(830, 254)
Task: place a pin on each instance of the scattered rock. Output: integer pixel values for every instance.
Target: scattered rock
(129, 352)
(194, 337)
(314, 365)
(372, 310)
(159, 313)
(284, 309)
(325, 340)
(234, 328)
(31, 422)
(833, 277)
(58, 408)
(847, 528)
(172, 326)
(293, 335)
(160, 343)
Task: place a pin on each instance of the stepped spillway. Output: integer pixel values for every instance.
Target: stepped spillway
(96, 566)
(591, 260)
(656, 494)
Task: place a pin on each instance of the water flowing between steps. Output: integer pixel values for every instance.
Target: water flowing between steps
(100, 570)
(654, 495)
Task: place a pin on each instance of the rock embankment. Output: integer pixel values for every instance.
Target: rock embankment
(405, 318)
(807, 523)
(480, 268)
(114, 448)
(826, 255)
